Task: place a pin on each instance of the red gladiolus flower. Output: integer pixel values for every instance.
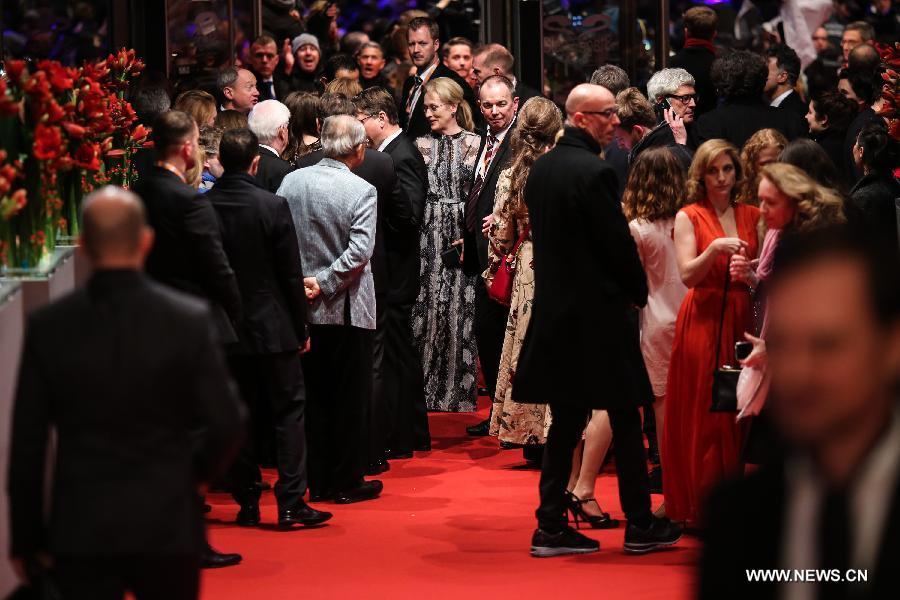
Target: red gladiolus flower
(15, 69)
(60, 77)
(54, 112)
(47, 142)
(74, 130)
(88, 156)
(139, 134)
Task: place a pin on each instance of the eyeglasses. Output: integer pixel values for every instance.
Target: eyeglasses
(366, 118)
(608, 113)
(433, 107)
(686, 98)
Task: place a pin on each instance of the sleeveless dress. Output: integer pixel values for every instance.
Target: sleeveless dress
(700, 447)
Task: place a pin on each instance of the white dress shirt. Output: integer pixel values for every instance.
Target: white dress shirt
(384, 144)
(779, 99)
(479, 167)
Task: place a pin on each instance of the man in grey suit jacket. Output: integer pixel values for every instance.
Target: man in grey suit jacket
(335, 214)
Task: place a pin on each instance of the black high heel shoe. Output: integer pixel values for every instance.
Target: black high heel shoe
(576, 507)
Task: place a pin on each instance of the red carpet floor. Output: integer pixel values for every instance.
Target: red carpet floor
(452, 523)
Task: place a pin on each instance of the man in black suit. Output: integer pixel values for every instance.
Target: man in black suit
(187, 253)
(270, 122)
(125, 515)
(498, 104)
(698, 54)
(271, 82)
(784, 70)
(615, 79)
(403, 385)
(422, 37)
(831, 503)
(261, 243)
(673, 97)
(395, 218)
(494, 59)
(579, 335)
(740, 78)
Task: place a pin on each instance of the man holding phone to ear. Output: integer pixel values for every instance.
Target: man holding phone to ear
(674, 97)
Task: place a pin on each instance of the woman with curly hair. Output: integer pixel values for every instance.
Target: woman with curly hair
(539, 121)
(651, 199)
(763, 148)
(702, 447)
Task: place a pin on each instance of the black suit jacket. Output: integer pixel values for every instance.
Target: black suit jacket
(697, 61)
(745, 521)
(280, 82)
(794, 103)
(403, 250)
(476, 245)
(187, 252)
(395, 214)
(415, 124)
(737, 120)
(140, 373)
(272, 169)
(587, 275)
(261, 243)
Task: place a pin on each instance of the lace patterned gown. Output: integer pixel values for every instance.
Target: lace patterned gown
(444, 312)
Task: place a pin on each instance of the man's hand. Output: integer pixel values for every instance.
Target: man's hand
(676, 124)
(486, 225)
(460, 242)
(287, 56)
(311, 287)
(305, 347)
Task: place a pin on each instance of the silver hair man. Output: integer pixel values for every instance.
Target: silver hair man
(666, 82)
(267, 119)
(341, 136)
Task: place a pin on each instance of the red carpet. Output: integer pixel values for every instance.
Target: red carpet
(452, 523)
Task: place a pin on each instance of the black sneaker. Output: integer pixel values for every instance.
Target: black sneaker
(660, 534)
(568, 541)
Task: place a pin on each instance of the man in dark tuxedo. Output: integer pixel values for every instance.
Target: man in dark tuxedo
(270, 122)
(261, 243)
(698, 54)
(615, 79)
(784, 71)
(403, 385)
(187, 253)
(395, 218)
(271, 82)
(422, 37)
(494, 59)
(579, 335)
(831, 502)
(498, 104)
(125, 515)
(673, 88)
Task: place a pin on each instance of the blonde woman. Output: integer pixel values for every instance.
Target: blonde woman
(442, 317)
(763, 148)
(198, 104)
(701, 447)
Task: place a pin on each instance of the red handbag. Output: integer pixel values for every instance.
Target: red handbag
(501, 286)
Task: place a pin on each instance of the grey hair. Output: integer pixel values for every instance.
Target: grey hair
(341, 136)
(613, 78)
(226, 78)
(666, 81)
(267, 118)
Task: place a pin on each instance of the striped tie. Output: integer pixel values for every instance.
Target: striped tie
(475, 192)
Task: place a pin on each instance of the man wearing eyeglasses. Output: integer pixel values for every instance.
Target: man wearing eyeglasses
(587, 275)
(674, 98)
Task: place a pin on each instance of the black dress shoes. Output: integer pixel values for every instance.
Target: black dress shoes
(304, 515)
(378, 467)
(479, 430)
(367, 490)
(320, 495)
(399, 454)
(210, 559)
(248, 515)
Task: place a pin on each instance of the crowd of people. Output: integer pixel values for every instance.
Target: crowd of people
(373, 240)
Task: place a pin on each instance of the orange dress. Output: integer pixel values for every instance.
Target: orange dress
(700, 447)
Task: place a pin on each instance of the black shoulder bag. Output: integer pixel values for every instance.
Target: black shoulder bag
(725, 378)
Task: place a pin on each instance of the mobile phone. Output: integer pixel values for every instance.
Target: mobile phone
(661, 107)
(742, 350)
(450, 257)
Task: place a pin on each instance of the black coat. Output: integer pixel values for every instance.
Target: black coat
(261, 243)
(403, 250)
(744, 527)
(415, 124)
(587, 275)
(737, 120)
(697, 61)
(395, 215)
(866, 117)
(272, 169)
(187, 251)
(794, 103)
(475, 250)
(832, 142)
(280, 81)
(126, 370)
(661, 137)
(874, 198)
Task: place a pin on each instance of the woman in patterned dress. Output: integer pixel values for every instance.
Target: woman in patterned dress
(538, 122)
(444, 311)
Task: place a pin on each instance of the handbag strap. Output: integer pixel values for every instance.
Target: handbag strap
(717, 365)
(515, 251)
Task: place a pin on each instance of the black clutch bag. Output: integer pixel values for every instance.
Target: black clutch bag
(450, 257)
(725, 377)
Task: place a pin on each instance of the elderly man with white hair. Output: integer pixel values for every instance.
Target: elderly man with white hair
(674, 98)
(334, 214)
(270, 122)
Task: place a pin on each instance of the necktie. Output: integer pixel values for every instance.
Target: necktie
(475, 192)
(835, 541)
(270, 85)
(412, 94)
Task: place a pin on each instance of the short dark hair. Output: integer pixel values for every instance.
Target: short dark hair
(331, 105)
(420, 22)
(701, 22)
(866, 31)
(338, 62)
(375, 100)
(739, 74)
(237, 149)
(613, 78)
(879, 149)
(865, 84)
(171, 129)
(456, 41)
(264, 40)
(839, 109)
(786, 60)
(809, 156)
(150, 102)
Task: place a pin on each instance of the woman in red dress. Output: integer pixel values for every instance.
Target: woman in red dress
(701, 447)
